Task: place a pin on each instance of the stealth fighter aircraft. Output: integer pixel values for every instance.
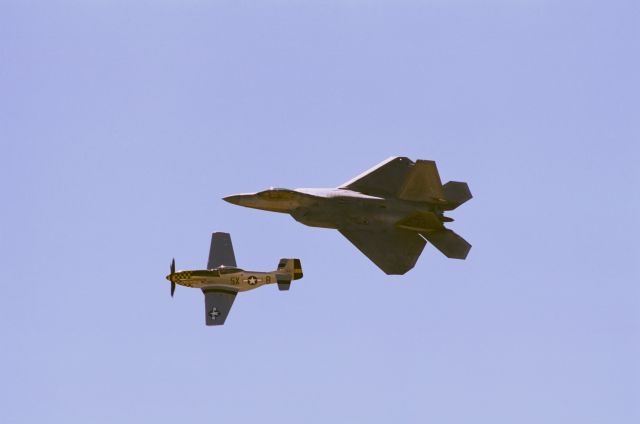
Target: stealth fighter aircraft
(222, 280)
(389, 212)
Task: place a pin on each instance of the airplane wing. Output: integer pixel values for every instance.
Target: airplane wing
(394, 251)
(401, 177)
(221, 251)
(384, 179)
(217, 304)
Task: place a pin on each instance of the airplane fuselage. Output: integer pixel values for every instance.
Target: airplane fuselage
(233, 279)
(341, 209)
(334, 208)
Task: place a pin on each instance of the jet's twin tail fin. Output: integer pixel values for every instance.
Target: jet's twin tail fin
(407, 180)
(288, 269)
(422, 184)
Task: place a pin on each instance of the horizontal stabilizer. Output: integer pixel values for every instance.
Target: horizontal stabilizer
(449, 243)
(284, 285)
(217, 304)
(284, 280)
(423, 183)
(456, 193)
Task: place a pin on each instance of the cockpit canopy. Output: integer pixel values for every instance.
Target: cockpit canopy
(278, 194)
(227, 270)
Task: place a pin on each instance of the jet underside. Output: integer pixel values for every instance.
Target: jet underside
(357, 213)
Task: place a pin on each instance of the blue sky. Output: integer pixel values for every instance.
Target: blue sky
(124, 123)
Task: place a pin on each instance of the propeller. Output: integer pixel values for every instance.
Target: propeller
(173, 271)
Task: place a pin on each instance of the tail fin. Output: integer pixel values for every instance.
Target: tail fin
(449, 243)
(455, 193)
(288, 269)
(417, 181)
(422, 184)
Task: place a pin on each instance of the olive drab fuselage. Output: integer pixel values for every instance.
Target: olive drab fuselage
(229, 278)
(336, 208)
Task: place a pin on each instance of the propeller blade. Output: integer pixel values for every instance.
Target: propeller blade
(173, 271)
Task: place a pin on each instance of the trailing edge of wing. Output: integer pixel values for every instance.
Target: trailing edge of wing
(217, 305)
(384, 179)
(394, 251)
(221, 251)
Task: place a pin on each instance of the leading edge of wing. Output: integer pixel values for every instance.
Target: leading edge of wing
(384, 179)
(394, 251)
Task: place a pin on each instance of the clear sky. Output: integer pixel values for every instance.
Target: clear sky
(124, 123)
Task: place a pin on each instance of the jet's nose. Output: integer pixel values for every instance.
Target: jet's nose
(235, 199)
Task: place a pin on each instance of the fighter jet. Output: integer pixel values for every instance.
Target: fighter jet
(389, 212)
(222, 280)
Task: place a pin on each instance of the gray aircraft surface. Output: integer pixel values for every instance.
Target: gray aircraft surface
(389, 212)
(222, 280)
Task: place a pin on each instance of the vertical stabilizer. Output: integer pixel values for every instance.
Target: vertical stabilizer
(422, 183)
(288, 269)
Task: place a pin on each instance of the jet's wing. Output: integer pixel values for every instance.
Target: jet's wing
(395, 251)
(221, 251)
(217, 304)
(384, 179)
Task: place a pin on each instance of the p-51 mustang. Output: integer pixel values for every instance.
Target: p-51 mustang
(222, 280)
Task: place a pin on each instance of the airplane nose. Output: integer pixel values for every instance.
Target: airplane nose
(235, 199)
